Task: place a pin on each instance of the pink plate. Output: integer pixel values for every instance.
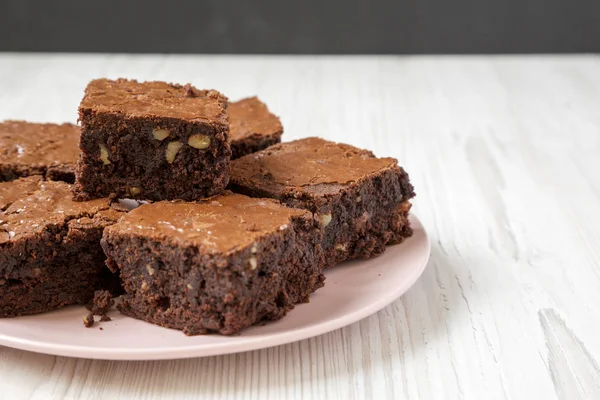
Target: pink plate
(352, 291)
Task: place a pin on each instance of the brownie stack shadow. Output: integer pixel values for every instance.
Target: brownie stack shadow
(235, 228)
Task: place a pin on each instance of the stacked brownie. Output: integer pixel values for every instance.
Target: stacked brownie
(195, 256)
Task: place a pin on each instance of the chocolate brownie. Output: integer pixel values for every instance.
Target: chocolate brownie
(360, 201)
(152, 140)
(252, 127)
(215, 266)
(50, 253)
(101, 303)
(49, 150)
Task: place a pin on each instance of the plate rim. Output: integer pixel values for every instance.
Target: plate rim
(258, 342)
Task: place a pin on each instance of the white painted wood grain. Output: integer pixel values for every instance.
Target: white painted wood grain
(505, 156)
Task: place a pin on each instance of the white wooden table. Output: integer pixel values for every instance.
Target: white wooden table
(504, 153)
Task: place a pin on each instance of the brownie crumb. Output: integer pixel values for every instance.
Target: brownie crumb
(105, 318)
(101, 303)
(252, 228)
(101, 328)
(88, 321)
(189, 91)
(213, 94)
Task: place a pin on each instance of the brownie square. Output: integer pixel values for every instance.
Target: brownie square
(49, 150)
(50, 253)
(215, 266)
(152, 140)
(252, 127)
(360, 201)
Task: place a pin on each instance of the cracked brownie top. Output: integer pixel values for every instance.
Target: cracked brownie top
(305, 163)
(221, 224)
(34, 144)
(159, 99)
(15, 190)
(34, 208)
(250, 117)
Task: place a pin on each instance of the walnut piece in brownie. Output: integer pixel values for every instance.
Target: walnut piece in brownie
(88, 320)
(152, 140)
(49, 150)
(252, 127)
(219, 265)
(360, 201)
(50, 253)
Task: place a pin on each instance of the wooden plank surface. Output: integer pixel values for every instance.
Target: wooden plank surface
(504, 153)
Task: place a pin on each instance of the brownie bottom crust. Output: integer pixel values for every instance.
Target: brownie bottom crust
(182, 288)
(66, 267)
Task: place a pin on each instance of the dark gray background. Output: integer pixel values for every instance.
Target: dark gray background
(305, 27)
